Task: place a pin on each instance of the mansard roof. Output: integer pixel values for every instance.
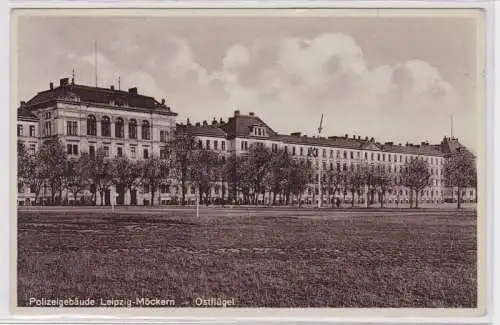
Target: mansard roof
(98, 95)
(25, 114)
(239, 125)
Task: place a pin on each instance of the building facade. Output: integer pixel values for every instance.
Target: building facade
(125, 123)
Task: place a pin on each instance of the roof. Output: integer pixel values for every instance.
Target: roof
(204, 130)
(340, 142)
(24, 113)
(107, 96)
(239, 125)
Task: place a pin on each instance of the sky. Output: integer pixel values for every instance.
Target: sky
(394, 79)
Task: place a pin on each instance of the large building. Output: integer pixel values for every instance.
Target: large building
(128, 123)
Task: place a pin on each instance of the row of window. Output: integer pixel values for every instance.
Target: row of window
(72, 149)
(20, 130)
(314, 152)
(215, 145)
(120, 128)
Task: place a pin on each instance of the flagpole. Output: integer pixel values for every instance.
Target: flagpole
(95, 62)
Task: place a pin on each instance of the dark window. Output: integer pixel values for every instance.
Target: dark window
(119, 128)
(119, 151)
(216, 145)
(200, 144)
(145, 130)
(92, 151)
(208, 144)
(105, 127)
(69, 149)
(223, 145)
(106, 151)
(19, 130)
(352, 155)
(345, 154)
(163, 136)
(146, 154)
(71, 128)
(75, 149)
(324, 153)
(293, 151)
(132, 129)
(91, 125)
(301, 151)
(32, 130)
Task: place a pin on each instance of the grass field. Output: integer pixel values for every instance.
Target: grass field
(259, 257)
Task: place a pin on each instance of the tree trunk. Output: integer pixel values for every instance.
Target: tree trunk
(183, 190)
(152, 196)
(381, 199)
(352, 198)
(416, 199)
(102, 197)
(411, 198)
(459, 196)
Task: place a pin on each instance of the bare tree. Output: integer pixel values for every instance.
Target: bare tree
(355, 179)
(126, 173)
(416, 177)
(460, 172)
(77, 175)
(100, 171)
(383, 179)
(181, 151)
(204, 171)
(154, 172)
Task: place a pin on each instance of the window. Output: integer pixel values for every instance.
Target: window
(344, 167)
(389, 157)
(106, 151)
(216, 145)
(383, 157)
(324, 153)
(207, 144)
(331, 153)
(372, 156)
(119, 152)
(133, 152)
(71, 128)
(366, 156)
(105, 127)
(145, 130)
(400, 158)
(345, 154)
(223, 145)
(471, 192)
(163, 136)
(32, 130)
(132, 129)
(92, 151)
(91, 125)
(358, 154)
(338, 166)
(72, 149)
(274, 147)
(145, 153)
(301, 151)
(200, 145)
(32, 149)
(352, 155)
(19, 130)
(119, 128)
(293, 151)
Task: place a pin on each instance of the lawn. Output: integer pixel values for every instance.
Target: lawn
(261, 258)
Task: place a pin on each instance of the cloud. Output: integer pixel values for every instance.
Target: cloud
(291, 81)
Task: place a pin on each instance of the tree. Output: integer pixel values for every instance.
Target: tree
(154, 172)
(126, 173)
(100, 171)
(77, 175)
(277, 177)
(383, 179)
(355, 179)
(258, 165)
(300, 173)
(334, 179)
(370, 182)
(204, 171)
(416, 177)
(460, 172)
(181, 151)
(54, 157)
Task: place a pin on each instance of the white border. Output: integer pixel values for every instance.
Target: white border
(492, 147)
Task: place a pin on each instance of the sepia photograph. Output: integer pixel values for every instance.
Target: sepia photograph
(246, 158)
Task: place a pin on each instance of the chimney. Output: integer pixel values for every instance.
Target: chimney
(251, 114)
(205, 123)
(163, 101)
(237, 113)
(295, 134)
(23, 103)
(366, 138)
(372, 139)
(51, 85)
(221, 121)
(214, 122)
(354, 136)
(346, 135)
(132, 91)
(63, 82)
(112, 87)
(197, 124)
